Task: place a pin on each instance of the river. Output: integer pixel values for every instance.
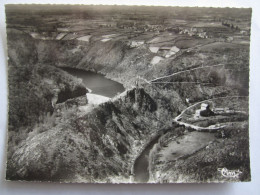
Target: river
(141, 172)
(186, 144)
(98, 83)
(182, 146)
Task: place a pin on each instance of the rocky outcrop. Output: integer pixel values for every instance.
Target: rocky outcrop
(69, 93)
(70, 103)
(141, 100)
(99, 146)
(74, 149)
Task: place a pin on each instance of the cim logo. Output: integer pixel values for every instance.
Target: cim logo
(229, 173)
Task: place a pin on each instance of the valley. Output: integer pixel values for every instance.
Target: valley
(115, 94)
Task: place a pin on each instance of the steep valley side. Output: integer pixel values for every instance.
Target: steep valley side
(102, 144)
(112, 134)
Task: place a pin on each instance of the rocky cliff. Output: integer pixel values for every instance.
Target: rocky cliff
(97, 146)
(34, 87)
(101, 143)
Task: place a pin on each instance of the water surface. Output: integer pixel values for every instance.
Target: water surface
(98, 83)
(186, 145)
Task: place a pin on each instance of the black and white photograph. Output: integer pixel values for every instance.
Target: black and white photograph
(127, 94)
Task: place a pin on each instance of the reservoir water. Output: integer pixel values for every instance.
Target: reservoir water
(97, 82)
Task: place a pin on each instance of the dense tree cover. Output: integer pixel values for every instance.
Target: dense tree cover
(32, 86)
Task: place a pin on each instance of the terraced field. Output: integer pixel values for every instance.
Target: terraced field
(180, 111)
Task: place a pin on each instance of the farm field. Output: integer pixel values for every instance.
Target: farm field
(116, 94)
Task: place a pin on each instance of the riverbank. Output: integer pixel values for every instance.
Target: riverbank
(101, 143)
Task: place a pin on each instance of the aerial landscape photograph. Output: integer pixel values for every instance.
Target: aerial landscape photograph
(128, 94)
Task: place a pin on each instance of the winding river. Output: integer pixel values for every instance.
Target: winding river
(141, 165)
(182, 146)
(186, 144)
